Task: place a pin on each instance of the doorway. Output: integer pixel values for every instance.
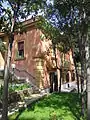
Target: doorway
(53, 81)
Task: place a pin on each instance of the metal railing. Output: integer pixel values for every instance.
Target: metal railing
(23, 74)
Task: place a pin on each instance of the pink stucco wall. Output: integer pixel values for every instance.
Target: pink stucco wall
(35, 50)
(31, 39)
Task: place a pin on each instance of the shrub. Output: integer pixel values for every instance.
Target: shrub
(14, 88)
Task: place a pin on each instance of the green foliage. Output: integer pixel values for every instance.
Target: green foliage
(64, 9)
(14, 87)
(57, 106)
(61, 41)
(2, 46)
(78, 24)
(50, 32)
(16, 11)
(17, 87)
(64, 6)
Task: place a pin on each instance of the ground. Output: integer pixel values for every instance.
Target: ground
(57, 106)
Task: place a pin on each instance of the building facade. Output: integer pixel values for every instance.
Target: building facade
(34, 57)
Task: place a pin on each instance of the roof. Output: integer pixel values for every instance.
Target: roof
(30, 21)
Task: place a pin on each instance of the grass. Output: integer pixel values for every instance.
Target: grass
(57, 106)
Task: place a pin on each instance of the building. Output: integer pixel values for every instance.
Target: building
(33, 59)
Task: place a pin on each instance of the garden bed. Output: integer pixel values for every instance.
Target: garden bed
(19, 95)
(17, 92)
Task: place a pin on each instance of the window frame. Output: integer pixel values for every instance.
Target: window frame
(18, 57)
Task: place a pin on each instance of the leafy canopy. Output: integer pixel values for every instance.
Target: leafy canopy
(18, 10)
(67, 17)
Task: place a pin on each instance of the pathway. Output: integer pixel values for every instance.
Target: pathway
(72, 86)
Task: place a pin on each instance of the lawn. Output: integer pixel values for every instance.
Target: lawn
(57, 106)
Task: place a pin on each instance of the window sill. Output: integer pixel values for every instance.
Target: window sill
(23, 58)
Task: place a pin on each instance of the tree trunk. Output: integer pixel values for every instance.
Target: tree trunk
(60, 80)
(81, 43)
(6, 71)
(88, 72)
(77, 76)
(6, 81)
(54, 48)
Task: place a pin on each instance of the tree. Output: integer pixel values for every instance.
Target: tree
(10, 19)
(71, 17)
(78, 23)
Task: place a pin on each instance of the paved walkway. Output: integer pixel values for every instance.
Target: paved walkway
(68, 87)
(72, 86)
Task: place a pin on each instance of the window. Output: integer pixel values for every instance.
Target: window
(21, 49)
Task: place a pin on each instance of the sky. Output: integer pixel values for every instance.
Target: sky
(53, 19)
(5, 5)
